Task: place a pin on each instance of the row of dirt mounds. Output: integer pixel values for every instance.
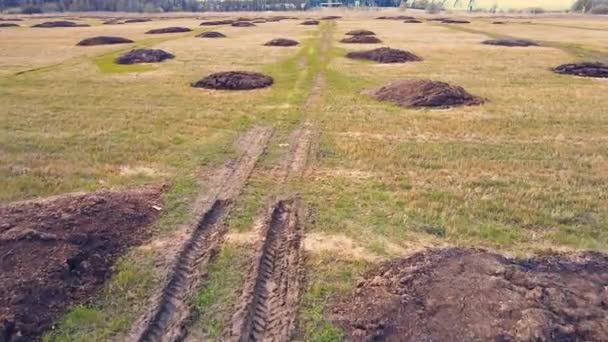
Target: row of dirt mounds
(585, 69)
(310, 22)
(144, 56)
(242, 24)
(58, 252)
(510, 42)
(397, 17)
(60, 23)
(282, 42)
(104, 40)
(385, 55)
(173, 29)
(211, 34)
(8, 25)
(424, 93)
(361, 40)
(360, 33)
(473, 295)
(234, 80)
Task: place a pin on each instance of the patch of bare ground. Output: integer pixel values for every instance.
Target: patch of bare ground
(234, 80)
(144, 56)
(397, 17)
(412, 21)
(173, 29)
(424, 93)
(103, 40)
(453, 21)
(360, 33)
(58, 252)
(242, 24)
(361, 40)
(137, 20)
(385, 55)
(8, 25)
(310, 22)
(473, 295)
(211, 34)
(510, 42)
(281, 42)
(217, 22)
(584, 69)
(61, 23)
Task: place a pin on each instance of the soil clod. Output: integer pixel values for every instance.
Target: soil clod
(104, 40)
(361, 40)
(585, 69)
(234, 80)
(211, 34)
(282, 42)
(169, 30)
(510, 42)
(144, 56)
(385, 55)
(360, 33)
(61, 23)
(242, 24)
(310, 22)
(424, 93)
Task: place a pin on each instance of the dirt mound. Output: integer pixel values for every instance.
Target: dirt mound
(8, 25)
(310, 22)
(137, 20)
(113, 22)
(331, 17)
(234, 80)
(510, 42)
(412, 21)
(217, 22)
(103, 40)
(385, 55)
(360, 33)
(282, 42)
(453, 21)
(437, 19)
(61, 23)
(58, 253)
(361, 40)
(10, 19)
(398, 17)
(498, 22)
(211, 34)
(242, 24)
(169, 30)
(144, 56)
(424, 93)
(586, 69)
(473, 295)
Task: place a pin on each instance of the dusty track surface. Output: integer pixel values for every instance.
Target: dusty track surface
(170, 314)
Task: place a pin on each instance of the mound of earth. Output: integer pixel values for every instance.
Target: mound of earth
(412, 21)
(282, 42)
(242, 24)
(361, 40)
(385, 55)
(11, 19)
(169, 30)
(103, 40)
(437, 19)
(217, 22)
(473, 295)
(144, 56)
(398, 17)
(58, 253)
(360, 33)
(137, 20)
(211, 34)
(234, 80)
(331, 17)
(310, 22)
(60, 23)
(453, 21)
(510, 42)
(113, 22)
(8, 25)
(424, 93)
(498, 22)
(586, 69)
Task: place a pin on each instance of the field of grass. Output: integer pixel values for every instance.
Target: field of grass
(523, 173)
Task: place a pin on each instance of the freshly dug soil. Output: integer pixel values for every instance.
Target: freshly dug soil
(498, 22)
(360, 33)
(242, 24)
(473, 295)
(424, 93)
(586, 69)
(412, 21)
(282, 42)
(8, 25)
(103, 40)
(452, 21)
(137, 20)
(113, 22)
(216, 22)
(211, 34)
(398, 17)
(310, 22)
(385, 55)
(331, 17)
(58, 253)
(169, 30)
(10, 19)
(437, 19)
(510, 42)
(234, 80)
(61, 23)
(144, 56)
(361, 40)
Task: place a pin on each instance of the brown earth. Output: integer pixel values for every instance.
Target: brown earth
(510, 42)
(385, 55)
(144, 56)
(331, 17)
(137, 20)
(585, 69)
(473, 295)
(103, 40)
(437, 19)
(57, 253)
(113, 22)
(8, 25)
(498, 22)
(234, 80)
(282, 42)
(412, 21)
(361, 40)
(453, 21)
(424, 93)
(242, 24)
(211, 34)
(398, 17)
(169, 30)
(217, 22)
(61, 23)
(310, 22)
(10, 19)
(360, 33)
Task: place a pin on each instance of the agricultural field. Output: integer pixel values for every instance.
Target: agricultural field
(322, 187)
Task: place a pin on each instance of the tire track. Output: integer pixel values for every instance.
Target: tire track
(167, 320)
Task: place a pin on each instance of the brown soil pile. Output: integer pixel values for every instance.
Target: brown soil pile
(473, 295)
(58, 253)
(234, 80)
(360, 33)
(437, 19)
(217, 22)
(361, 40)
(169, 30)
(61, 23)
(113, 22)
(242, 24)
(10, 19)
(310, 22)
(412, 21)
(398, 17)
(385, 55)
(282, 42)
(453, 21)
(103, 40)
(144, 56)
(498, 22)
(586, 69)
(137, 20)
(8, 25)
(424, 93)
(331, 17)
(211, 34)
(510, 42)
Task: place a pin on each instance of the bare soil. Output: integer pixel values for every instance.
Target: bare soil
(8, 25)
(412, 21)
(385, 55)
(331, 17)
(585, 69)
(310, 22)
(234, 80)
(398, 17)
(103, 40)
(498, 22)
(360, 33)
(11, 19)
(424, 93)
(453, 21)
(144, 56)
(58, 252)
(242, 24)
(211, 34)
(217, 22)
(169, 30)
(510, 42)
(137, 20)
(282, 42)
(61, 23)
(361, 40)
(473, 295)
